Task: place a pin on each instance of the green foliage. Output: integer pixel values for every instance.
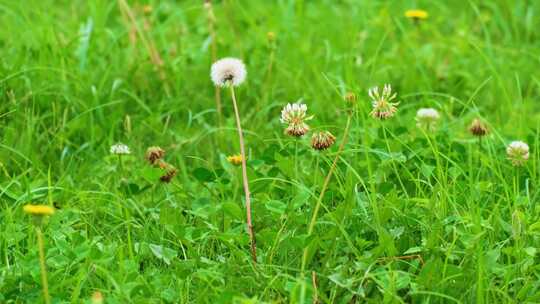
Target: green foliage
(409, 216)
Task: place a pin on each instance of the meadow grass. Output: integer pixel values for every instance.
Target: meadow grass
(408, 216)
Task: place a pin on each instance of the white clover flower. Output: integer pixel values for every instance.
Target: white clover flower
(427, 118)
(120, 149)
(383, 108)
(228, 71)
(517, 152)
(295, 115)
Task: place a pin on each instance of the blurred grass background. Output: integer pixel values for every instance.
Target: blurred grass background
(75, 77)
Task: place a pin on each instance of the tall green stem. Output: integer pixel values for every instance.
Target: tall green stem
(325, 186)
(244, 177)
(44, 283)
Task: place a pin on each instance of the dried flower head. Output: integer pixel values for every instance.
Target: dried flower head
(416, 14)
(427, 118)
(39, 210)
(295, 115)
(518, 153)
(120, 149)
(478, 128)
(350, 97)
(170, 172)
(228, 71)
(154, 154)
(383, 107)
(235, 159)
(322, 140)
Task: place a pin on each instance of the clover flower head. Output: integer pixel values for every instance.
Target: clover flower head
(170, 172)
(427, 118)
(322, 140)
(120, 149)
(295, 115)
(518, 153)
(154, 154)
(478, 128)
(228, 71)
(383, 107)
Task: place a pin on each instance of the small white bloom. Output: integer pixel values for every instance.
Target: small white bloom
(294, 112)
(295, 115)
(383, 108)
(228, 71)
(120, 149)
(427, 118)
(518, 152)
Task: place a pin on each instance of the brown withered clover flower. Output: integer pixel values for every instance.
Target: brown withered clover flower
(322, 140)
(478, 128)
(154, 155)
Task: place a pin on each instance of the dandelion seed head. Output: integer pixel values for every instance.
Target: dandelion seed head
(427, 118)
(120, 149)
(322, 140)
(228, 71)
(518, 153)
(383, 107)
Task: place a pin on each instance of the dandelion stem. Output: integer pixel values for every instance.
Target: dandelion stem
(325, 186)
(44, 282)
(244, 177)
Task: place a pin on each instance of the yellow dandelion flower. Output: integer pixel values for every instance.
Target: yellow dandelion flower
(235, 159)
(416, 14)
(38, 209)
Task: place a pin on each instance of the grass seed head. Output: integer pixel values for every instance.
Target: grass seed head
(228, 71)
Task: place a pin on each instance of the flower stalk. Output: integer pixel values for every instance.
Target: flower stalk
(244, 177)
(43, 267)
(327, 179)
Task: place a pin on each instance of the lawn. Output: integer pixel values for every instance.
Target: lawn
(391, 156)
